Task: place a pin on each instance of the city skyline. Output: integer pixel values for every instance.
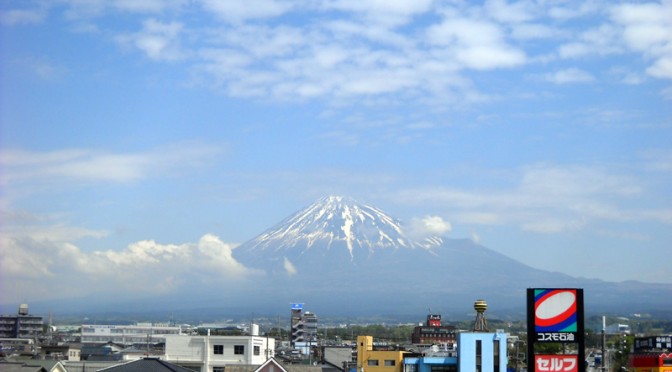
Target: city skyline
(162, 134)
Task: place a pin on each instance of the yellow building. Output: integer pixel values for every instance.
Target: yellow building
(371, 360)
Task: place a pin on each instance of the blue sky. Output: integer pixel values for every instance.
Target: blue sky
(161, 134)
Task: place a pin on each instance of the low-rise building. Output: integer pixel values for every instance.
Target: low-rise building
(71, 351)
(139, 333)
(145, 364)
(476, 351)
(651, 354)
(214, 353)
(433, 332)
(377, 359)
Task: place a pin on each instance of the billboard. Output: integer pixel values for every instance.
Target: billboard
(555, 315)
(653, 342)
(556, 363)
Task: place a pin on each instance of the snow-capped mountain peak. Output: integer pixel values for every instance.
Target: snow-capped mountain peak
(334, 221)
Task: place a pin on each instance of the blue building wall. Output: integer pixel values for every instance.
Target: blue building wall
(466, 351)
(424, 364)
(466, 355)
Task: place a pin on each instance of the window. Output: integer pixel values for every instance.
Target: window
(449, 368)
(217, 369)
(390, 363)
(373, 362)
(478, 355)
(257, 350)
(218, 349)
(495, 355)
(410, 368)
(239, 349)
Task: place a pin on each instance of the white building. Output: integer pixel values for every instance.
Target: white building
(139, 333)
(214, 353)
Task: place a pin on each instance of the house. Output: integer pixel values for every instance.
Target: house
(146, 364)
(33, 365)
(62, 352)
(272, 365)
(211, 353)
(19, 367)
(107, 351)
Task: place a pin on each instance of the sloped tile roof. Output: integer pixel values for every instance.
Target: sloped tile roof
(146, 364)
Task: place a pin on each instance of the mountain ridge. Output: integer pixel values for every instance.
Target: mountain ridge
(306, 258)
(431, 270)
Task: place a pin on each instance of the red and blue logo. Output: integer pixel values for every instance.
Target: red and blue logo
(555, 310)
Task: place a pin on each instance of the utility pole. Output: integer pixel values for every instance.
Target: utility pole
(604, 343)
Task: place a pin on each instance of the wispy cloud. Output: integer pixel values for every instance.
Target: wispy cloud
(85, 9)
(238, 11)
(99, 166)
(13, 17)
(546, 199)
(362, 50)
(158, 40)
(568, 76)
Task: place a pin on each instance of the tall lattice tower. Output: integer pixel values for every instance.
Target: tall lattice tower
(480, 324)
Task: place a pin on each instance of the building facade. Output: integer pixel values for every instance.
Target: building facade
(215, 353)
(433, 332)
(309, 327)
(476, 352)
(296, 324)
(481, 352)
(21, 324)
(140, 333)
(651, 354)
(375, 359)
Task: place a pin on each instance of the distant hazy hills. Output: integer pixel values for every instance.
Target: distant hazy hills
(341, 257)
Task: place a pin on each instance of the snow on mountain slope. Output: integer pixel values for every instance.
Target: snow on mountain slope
(330, 222)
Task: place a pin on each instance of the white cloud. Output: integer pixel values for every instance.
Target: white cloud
(289, 267)
(237, 11)
(545, 199)
(476, 44)
(85, 9)
(383, 12)
(574, 9)
(428, 226)
(14, 17)
(42, 260)
(475, 238)
(568, 76)
(145, 6)
(158, 40)
(601, 40)
(647, 28)
(552, 226)
(91, 165)
(531, 31)
(515, 12)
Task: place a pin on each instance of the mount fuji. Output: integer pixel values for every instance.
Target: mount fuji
(341, 255)
(343, 258)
